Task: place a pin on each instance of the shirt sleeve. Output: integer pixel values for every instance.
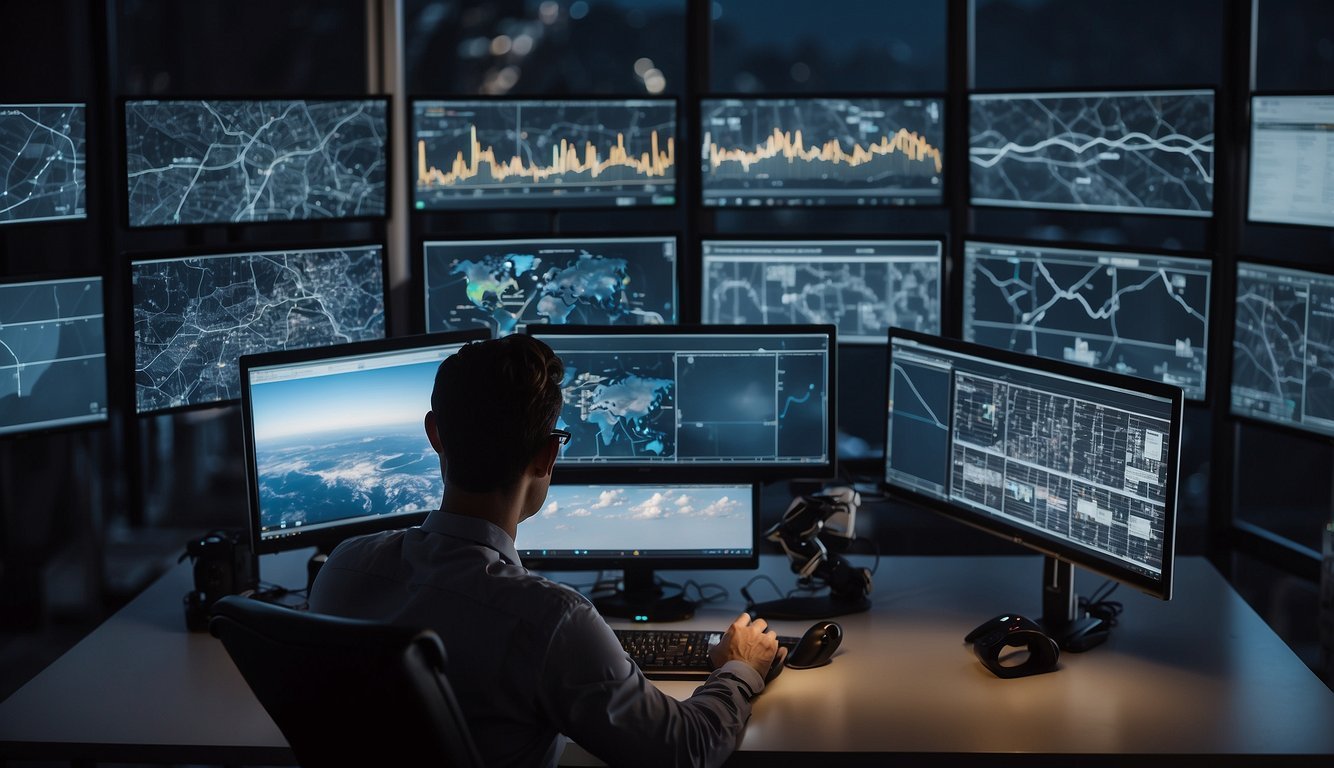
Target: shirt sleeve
(597, 696)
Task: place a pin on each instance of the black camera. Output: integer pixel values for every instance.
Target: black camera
(224, 565)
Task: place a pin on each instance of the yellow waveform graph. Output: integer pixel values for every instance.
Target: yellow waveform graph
(565, 158)
(791, 147)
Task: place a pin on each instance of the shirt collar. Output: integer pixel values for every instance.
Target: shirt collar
(473, 529)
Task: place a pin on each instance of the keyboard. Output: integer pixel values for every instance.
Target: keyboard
(672, 654)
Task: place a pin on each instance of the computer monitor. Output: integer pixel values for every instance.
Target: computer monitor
(53, 370)
(1283, 347)
(640, 528)
(334, 439)
(1076, 463)
(505, 284)
(1292, 149)
(1143, 314)
(195, 315)
(42, 152)
(822, 151)
(696, 402)
(230, 161)
(543, 153)
(864, 287)
(1117, 151)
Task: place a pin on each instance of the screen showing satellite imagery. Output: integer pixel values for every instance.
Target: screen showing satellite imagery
(822, 151)
(53, 370)
(509, 153)
(195, 316)
(1129, 152)
(695, 398)
(1283, 347)
(206, 161)
(42, 162)
(864, 287)
(1076, 462)
(503, 285)
(1138, 314)
(642, 521)
(1292, 152)
(339, 439)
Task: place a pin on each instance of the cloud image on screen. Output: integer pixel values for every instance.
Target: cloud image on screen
(647, 518)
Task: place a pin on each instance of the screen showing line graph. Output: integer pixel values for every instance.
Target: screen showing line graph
(1292, 152)
(1283, 347)
(1138, 314)
(1128, 152)
(509, 153)
(822, 151)
(42, 155)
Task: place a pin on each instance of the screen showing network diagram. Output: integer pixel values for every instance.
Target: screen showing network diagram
(53, 370)
(42, 154)
(1127, 152)
(1292, 152)
(339, 439)
(1073, 461)
(698, 399)
(641, 521)
(1283, 347)
(509, 153)
(822, 151)
(503, 285)
(218, 161)
(195, 316)
(864, 287)
(1137, 314)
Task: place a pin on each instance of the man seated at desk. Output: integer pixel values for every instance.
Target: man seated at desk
(528, 659)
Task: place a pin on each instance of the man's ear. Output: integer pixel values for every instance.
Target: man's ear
(432, 431)
(544, 461)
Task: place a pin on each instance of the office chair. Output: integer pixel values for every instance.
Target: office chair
(347, 692)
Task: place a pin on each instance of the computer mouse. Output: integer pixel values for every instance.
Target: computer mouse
(817, 646)
(1003, 622)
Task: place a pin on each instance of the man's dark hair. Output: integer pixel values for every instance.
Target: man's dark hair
(495, 404)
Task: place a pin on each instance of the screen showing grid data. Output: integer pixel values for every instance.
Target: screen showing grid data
(1126, 152)
(1283, 347)
(43, 162)
(695, 398)
(502, 285)
(822, 151)
(1292, 154)
(1076, 462)
(1138, 314)
(864, 287)
(53, 370)
(195, 316)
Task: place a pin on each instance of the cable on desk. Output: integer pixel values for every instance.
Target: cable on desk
(1098, 606)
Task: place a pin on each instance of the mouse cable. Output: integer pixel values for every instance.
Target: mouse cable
(875, 550)
(745, 590)
(1098, 606)
(719, 591)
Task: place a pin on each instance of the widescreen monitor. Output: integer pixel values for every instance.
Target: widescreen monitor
(503, 285)
(44, 161)
(1079, 464)
(543, 153)
(1141, 314)
(1283, 347)
(335, 439)
(822, 151)
(1292, 151)
(233, 161)
(863, 287)
(53, 370)
(701, 401)
(1114, 151)
(195, 315)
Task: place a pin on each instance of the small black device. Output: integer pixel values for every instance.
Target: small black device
(1011, 630)
(816, 647)
(224, 564)
(813, 533)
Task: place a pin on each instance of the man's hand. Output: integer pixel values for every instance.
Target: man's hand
(749, 641)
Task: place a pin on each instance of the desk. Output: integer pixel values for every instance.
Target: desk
(1201, 676)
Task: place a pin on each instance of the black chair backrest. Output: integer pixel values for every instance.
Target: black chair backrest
(347, 692)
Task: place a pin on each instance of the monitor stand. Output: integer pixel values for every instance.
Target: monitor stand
(640, 598)
(1060, 610)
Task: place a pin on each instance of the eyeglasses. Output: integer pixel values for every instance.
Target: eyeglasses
(562, 436)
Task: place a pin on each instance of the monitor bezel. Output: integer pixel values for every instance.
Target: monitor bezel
(1204, 258)
(142, 257)
(123, 161)
(674, 562)
(1250, 155)
(57, 220)
(945, 148)
(411, 128)
(326, 537)
(1160, 587)
(707, 472)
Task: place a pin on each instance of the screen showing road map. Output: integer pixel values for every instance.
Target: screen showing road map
(42, 162)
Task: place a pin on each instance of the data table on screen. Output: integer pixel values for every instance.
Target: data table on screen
(1292, 154)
